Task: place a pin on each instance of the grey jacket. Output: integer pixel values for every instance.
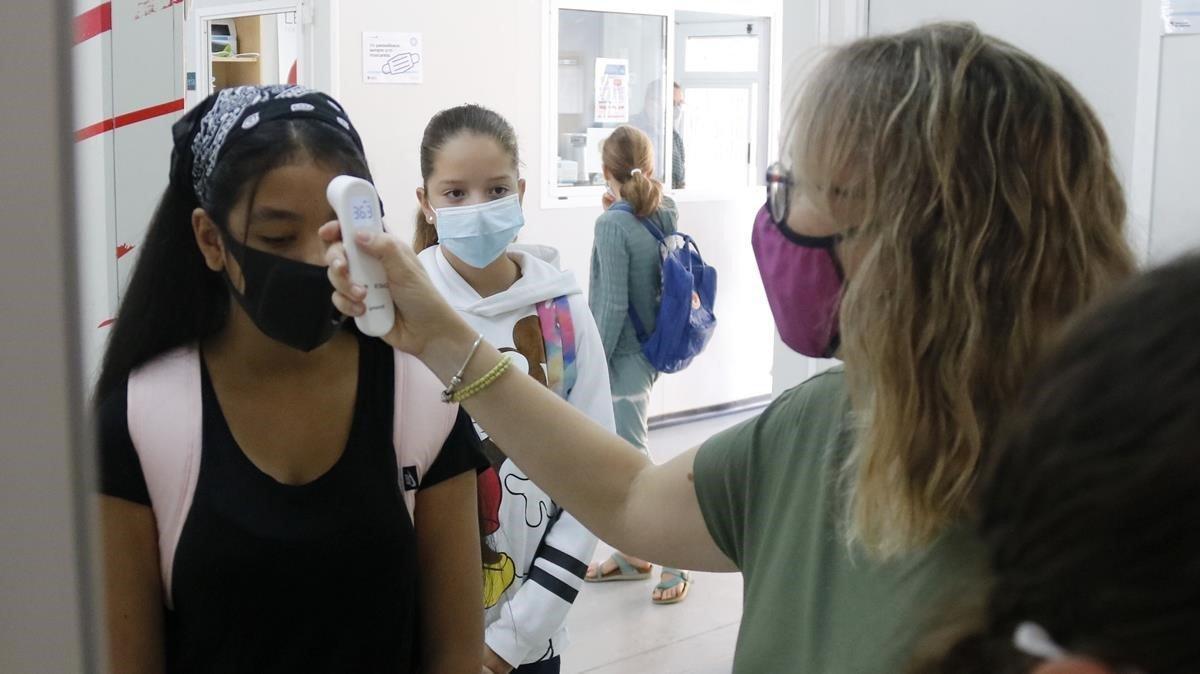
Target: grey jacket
(627, 269)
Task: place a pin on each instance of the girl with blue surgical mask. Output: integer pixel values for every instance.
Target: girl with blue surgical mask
(517, 298)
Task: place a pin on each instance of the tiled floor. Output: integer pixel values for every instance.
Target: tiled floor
(616, 630)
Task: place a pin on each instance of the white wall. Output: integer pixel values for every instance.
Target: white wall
(289, 43)
(134, 67)
(1176, 210)
(491, 53)
(1095, 44)
(1099, 45)
(95, 198)
(808, 26)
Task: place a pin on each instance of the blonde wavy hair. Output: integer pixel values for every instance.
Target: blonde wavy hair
(985, 211)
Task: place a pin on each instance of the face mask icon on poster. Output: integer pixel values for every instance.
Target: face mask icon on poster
(401, 63)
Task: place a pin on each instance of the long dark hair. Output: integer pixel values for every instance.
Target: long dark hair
(1090, 504)
(173, 298)
(442, 127)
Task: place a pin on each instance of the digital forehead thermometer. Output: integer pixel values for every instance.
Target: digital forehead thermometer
(356, 204)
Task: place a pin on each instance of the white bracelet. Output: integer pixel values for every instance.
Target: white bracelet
(456, 380)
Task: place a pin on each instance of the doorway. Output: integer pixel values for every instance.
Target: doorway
(254, 43)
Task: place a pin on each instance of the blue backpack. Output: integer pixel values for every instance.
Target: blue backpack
(685, 314)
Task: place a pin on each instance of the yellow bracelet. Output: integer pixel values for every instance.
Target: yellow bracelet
(484, 381)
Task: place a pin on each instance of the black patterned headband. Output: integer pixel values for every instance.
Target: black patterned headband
(239, 110)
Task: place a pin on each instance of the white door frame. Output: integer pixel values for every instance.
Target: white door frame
(204, 12)
(762, 147)
(317, 62)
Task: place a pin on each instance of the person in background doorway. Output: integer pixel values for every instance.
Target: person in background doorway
(950, 205)
(516, 298)
(293, 549)
(627, 274)
(678, 157)
(1089, 506)
(649, 121)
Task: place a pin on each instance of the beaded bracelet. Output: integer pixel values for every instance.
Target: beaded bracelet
(484, 381)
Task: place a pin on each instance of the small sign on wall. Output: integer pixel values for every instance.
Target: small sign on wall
(393, 58)
(1181, 16)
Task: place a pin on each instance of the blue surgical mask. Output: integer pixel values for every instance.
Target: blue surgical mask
(479, 233)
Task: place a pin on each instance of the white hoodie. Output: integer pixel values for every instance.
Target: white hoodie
(544, 550)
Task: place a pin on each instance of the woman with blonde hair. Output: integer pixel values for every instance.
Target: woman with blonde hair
(951, 205)
(626, 280)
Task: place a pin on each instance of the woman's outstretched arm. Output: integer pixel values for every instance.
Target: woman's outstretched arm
(647, 510)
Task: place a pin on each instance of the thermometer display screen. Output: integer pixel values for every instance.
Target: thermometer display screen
(362, 210)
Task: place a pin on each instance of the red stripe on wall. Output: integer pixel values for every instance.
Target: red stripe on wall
(93, 130)
(93, 22)
(147, 113)
(128, 118)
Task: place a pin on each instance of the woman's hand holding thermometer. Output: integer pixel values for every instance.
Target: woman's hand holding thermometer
(356, 204)
(421, 322)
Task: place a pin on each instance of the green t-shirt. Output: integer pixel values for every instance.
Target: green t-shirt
(770, 490)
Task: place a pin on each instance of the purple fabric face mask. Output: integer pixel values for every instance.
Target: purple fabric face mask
(803, 281)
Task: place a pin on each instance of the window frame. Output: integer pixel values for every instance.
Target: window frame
(763, 94)
(555, 196)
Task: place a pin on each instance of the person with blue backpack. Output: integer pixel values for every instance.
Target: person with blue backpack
(640, 284)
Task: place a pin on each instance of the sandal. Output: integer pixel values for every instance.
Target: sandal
(681, 577)
(623, 571)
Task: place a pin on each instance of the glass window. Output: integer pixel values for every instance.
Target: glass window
(722, 54)
(718, 128)
(611, 71)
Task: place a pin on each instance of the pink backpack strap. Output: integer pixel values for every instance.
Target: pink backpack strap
(421, 424)
(164, 416)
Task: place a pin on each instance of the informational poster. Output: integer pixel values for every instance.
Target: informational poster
(612, 91)
(1181, 16)
(393, 58)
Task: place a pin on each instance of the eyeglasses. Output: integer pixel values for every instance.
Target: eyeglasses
(780, 187)
(779, 192)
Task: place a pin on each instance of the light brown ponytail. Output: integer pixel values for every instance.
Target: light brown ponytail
(629, 157)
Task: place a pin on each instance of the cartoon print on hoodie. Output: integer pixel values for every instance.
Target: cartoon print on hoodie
(527, 336)
(544, 550)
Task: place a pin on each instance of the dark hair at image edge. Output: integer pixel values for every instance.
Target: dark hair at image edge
(1089, 503)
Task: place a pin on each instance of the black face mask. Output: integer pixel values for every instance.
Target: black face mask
(291, 302)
